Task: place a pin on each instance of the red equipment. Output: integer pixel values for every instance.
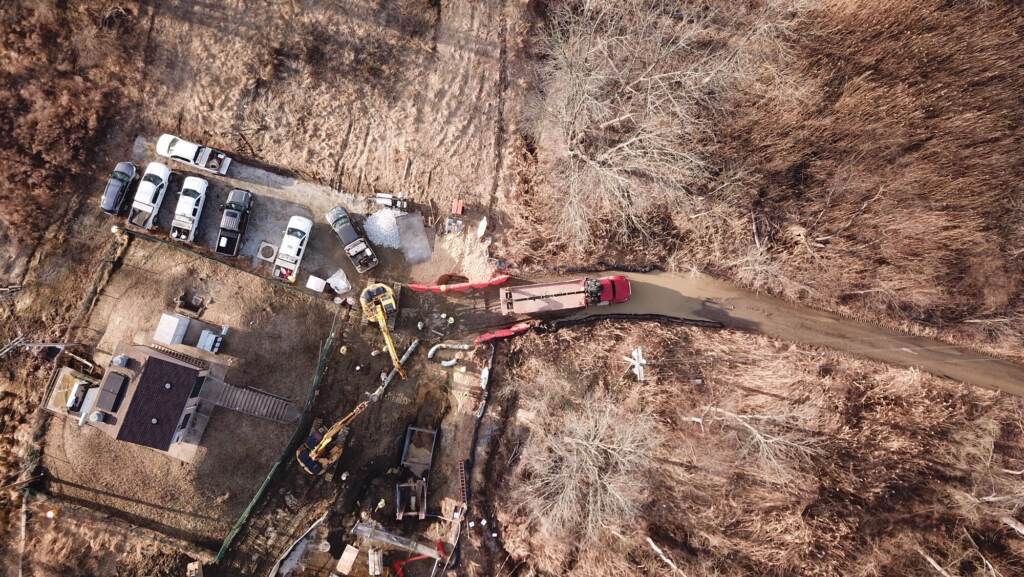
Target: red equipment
(398, 565)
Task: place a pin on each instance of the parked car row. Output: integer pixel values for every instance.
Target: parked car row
(149, 195)
(296, 237)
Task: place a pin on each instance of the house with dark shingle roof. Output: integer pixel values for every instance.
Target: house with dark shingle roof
(153, 396)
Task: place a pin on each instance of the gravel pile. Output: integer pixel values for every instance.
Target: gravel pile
(382, 228)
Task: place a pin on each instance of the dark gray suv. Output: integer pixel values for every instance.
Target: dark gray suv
(357, 248)
(116, 192)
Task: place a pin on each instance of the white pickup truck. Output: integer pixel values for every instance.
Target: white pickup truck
(189, 209)
(293, 246)
(149, 196)
(202, 157)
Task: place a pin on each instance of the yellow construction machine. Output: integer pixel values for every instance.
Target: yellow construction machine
(378, 302)
(322, 448)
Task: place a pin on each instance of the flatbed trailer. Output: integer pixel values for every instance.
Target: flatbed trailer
(564, 295)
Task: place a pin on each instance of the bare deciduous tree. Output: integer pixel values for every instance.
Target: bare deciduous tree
(620, 110)
(774, 445)
(584, 472)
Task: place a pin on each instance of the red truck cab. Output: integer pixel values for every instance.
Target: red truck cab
(607, 290)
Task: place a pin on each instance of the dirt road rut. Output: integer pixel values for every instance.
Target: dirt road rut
(698, 297)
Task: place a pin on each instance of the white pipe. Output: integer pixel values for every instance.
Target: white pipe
(453, 346)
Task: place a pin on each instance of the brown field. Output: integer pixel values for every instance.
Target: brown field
(841, 154)
(861, 157)
(742, 455)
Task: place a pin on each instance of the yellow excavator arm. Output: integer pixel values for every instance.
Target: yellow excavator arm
(336, 428)
(378, 300)
(382, 322)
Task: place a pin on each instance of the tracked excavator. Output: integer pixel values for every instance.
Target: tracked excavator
(323, 447)
(378, 303)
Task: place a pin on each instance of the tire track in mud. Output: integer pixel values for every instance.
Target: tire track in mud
(696, 297)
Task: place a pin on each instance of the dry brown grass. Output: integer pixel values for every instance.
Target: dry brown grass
(859, 156)
(777, 460)
(59, 77)
(896, 176)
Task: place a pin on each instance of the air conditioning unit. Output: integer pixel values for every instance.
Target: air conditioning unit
(120, 361)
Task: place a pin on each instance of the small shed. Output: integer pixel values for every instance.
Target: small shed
(171, 329)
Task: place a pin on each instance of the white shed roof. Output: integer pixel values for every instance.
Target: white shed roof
(171, 329)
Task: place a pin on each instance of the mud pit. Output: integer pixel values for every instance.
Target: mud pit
(272, 345)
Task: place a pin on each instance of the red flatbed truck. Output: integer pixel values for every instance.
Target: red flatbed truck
(566, 295)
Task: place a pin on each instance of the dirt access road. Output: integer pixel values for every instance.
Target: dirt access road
(699, 297)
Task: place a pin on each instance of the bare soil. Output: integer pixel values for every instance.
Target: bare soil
(273, 341)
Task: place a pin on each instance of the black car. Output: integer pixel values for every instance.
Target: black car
(116, 193)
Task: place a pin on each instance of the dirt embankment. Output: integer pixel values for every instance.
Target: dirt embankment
(743, 455)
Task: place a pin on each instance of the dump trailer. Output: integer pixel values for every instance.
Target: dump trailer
(417, 457)
(566, 295)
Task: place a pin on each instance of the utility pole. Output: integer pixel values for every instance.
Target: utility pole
(637, 362)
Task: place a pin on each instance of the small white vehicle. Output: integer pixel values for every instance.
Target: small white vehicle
(293, 246)
(189, 209)
(149, 196)
(202, 157)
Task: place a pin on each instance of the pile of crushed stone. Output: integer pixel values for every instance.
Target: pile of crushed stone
(382, 228)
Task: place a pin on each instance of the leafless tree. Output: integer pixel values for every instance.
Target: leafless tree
(771, 440)
(584, 471)
(620, 110)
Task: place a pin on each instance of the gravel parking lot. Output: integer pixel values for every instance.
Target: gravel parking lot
(276, 199)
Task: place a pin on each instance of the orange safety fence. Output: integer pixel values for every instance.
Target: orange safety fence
(462, 287)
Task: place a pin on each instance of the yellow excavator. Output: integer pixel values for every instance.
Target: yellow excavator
(322, 448)
(378, 302)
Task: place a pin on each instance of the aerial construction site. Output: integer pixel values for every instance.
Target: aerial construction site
(511, 288)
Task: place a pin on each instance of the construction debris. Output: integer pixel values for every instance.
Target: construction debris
(637, 363)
